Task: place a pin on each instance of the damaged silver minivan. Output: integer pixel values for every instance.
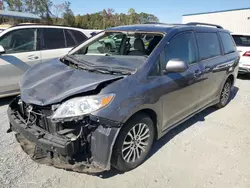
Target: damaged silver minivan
(100, 106)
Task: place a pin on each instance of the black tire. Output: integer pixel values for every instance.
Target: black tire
(225, 95)
(119, 153)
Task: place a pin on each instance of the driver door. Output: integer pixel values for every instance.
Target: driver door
(182, 90)
(21, 51)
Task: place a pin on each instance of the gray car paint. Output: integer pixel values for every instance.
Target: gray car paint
(171, 97)
(52, 82)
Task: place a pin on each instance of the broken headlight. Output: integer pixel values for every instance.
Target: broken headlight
(82, 105)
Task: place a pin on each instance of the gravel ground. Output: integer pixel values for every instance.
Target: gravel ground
(210, 150)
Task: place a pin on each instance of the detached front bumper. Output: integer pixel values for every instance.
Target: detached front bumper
(90, 155)
(42, 138)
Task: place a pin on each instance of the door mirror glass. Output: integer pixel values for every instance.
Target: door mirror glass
(176, 65)
(2, 50)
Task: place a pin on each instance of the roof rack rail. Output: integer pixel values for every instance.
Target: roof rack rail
(163, 23)
(205, 24)
(42, 24)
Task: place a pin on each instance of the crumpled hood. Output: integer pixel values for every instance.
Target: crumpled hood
(49, 83)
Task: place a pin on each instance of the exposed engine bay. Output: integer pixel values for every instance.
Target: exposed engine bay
(83, 144)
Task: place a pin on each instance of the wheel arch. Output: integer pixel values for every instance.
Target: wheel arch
(232, 79)
(152, 114)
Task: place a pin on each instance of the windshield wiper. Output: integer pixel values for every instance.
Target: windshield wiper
(105, 70)
(76, 63)
(84, 65)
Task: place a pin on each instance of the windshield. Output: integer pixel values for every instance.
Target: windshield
(121, 44)
(242, 40)
(114, 52)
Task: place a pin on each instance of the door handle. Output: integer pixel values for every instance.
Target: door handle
(207, 69)
(197, 73)
(33, 57)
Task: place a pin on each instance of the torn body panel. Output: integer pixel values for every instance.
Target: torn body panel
(82, 146)
(52, 82)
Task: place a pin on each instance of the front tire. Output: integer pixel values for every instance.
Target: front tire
(225, 95)
(133, 143)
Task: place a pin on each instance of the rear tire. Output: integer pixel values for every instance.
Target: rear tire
(133, 143)
(225, 95)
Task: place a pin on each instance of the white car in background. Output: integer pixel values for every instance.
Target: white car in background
(25, 45)
(242, 41)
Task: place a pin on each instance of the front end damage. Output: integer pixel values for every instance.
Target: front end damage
(82, 145)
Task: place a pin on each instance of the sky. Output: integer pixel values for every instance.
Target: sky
(169, 11)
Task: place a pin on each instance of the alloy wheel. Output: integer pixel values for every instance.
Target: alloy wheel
(135, 142)
(225, 93)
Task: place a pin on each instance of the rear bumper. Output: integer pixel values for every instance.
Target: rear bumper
(243, 68)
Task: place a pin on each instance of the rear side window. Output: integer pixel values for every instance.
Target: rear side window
(242, 40)
(227, 42)
(53, 38)
(79, 36)
(208, 45)
(69, 39)
(181, 47)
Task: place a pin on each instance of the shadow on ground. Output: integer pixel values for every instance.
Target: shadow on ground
(244, 76)
(171, 134)
(164, 140)
(6, 101)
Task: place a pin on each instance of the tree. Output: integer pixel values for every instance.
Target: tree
(58, 11)
(14, 5)
(1, 5)
(62, 14)
(132, 16)
(68, 15)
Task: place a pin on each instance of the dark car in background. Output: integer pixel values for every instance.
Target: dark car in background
(97, 108)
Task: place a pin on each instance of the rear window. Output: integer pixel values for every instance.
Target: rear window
(227, 42)
(241, 40)
(208, 45)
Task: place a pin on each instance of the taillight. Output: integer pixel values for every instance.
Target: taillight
(247, 53)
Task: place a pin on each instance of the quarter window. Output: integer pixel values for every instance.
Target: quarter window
(181, 47)
(20, 41)
(53, 39)
(208, 45)
(227, 42)
(80, 37)
(69, 39)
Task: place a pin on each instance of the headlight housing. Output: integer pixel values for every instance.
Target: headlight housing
(82, 105)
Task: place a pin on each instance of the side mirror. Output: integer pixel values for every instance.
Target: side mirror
(2, 50)
(176, 65)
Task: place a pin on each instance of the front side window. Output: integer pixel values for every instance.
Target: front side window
(242, 40)
(53, 39)
(17, 41)
(181, 47)
(208, 45)
(227, 42)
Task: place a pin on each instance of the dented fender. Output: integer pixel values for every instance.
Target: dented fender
(102, 142)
